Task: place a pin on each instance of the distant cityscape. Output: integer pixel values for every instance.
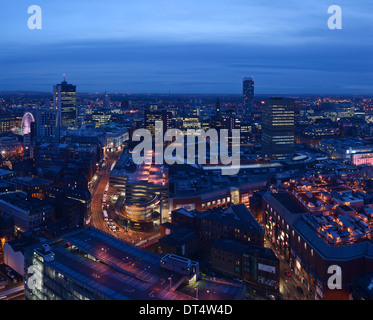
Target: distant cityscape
(80, 220)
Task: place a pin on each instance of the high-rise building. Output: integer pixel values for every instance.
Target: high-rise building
(106, 102)
(248, 94)
(101, 117)
(151, 117)
(64, 101)
(47, 124)
(278, 128)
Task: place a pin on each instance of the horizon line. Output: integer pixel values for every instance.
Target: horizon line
(195, 94)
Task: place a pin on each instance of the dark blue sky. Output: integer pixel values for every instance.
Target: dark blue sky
(188, 46)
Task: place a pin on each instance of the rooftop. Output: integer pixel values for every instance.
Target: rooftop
(237, 216)
(330, 251)
(179, 236)
(290, 202)
(22, 201)
(116, 270)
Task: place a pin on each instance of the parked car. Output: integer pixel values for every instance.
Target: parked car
(300, 290)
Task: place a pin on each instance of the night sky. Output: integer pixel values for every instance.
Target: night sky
(188, 46)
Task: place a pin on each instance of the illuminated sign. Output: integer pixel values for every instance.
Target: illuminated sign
(359, 159)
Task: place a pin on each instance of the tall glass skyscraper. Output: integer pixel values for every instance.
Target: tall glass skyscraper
(64, 101)
(248, 94)
(278, 128)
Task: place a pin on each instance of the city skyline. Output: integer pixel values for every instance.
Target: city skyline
(302, 195)
(189, 48)
(187, 151)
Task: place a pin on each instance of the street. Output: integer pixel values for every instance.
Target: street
(13, 293)
(290, 282)
(97, 219)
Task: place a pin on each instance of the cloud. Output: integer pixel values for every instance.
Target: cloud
(188, 46)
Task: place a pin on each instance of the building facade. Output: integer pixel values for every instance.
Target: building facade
(278, 128)
(248, 94)
(316, 225)
(64, 102)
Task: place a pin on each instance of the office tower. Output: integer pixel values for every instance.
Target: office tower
(47, 124)
(64, 101)
(248, 94)
(278, 128)
(106, 102)
(101, 117)
(151, 117)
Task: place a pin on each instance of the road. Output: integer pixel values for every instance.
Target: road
(97, 192)
(97, 219)
(289, 284)
(13, 293)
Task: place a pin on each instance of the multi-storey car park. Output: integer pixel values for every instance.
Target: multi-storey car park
(143, 193)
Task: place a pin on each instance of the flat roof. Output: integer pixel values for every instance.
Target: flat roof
(289, 202)
(179, 237)
(121, 270)
(343, 252)
(238, 216)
